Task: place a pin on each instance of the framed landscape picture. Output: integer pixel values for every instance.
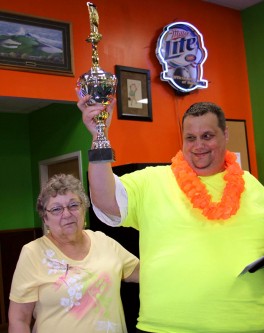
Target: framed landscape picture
(35, 44)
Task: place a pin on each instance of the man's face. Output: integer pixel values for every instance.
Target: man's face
(204, 144)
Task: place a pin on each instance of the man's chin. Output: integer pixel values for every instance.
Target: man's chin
(202, 169)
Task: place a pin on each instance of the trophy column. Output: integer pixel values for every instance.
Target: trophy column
(101, 86)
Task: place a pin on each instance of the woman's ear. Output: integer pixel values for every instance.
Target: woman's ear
(45, 222)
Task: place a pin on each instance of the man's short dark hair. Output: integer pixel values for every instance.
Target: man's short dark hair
(201, 108)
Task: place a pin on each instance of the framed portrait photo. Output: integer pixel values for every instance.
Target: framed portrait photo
(35, 44)
(133, 93)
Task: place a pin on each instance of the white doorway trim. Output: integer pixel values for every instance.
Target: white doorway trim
(43, 165)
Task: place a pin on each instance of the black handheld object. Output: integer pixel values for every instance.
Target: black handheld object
(254, 266)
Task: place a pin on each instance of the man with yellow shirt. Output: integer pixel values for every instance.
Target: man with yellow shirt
(201, 222)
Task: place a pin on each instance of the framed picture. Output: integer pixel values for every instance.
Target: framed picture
(133, 93)
(238, 142)
(35, 44)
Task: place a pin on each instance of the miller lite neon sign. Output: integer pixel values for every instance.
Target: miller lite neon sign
(181, 52)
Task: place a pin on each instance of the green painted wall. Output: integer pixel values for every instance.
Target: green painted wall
(54, 131)
(16, 204)
(253, 27)
(24, 141)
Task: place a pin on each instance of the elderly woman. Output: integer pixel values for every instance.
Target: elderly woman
(69, 280)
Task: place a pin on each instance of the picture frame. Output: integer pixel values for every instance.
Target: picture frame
(35, 44)
(237, 129)
(133, 93)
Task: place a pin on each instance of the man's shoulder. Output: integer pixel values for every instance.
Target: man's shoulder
(248, 176)
(148, 174)
(150, 169)
(252, 181)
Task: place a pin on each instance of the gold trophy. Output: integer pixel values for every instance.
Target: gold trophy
(101, 86)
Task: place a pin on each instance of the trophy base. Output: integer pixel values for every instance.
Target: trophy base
(101, 155)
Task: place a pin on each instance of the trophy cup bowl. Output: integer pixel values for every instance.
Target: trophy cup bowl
(101, 86)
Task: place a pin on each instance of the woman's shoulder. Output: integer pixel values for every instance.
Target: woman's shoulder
(35, 247)
(39, 245)
(96, 234)
(100, 237)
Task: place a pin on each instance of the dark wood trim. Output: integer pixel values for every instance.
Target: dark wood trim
(2, 303)
(11, 243)
(3, 327)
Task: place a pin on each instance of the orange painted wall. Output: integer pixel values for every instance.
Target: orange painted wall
(130, 31)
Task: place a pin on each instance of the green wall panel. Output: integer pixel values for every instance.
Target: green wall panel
(253, 27)
(16, 209)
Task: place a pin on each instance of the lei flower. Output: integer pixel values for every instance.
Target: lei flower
(197, 193)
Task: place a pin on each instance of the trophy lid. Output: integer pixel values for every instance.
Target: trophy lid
(96, 82)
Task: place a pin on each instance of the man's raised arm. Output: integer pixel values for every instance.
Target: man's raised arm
(102, 187)
(101, 178)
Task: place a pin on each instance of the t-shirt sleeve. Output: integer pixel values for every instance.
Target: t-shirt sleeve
(121, 197)
(24, 287)
(129, 260)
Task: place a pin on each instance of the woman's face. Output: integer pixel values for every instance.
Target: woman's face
(65, 215)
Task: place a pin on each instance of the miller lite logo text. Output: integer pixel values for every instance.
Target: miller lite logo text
(181, 52)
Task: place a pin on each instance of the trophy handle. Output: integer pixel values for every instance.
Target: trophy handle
(95, 36)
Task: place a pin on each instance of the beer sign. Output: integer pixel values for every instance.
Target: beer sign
(181, 52)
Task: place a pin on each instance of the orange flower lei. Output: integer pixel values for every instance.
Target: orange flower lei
(196, 191)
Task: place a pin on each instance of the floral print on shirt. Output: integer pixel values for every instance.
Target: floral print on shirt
(85, 290)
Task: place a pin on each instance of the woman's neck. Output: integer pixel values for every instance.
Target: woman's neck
(75, 246)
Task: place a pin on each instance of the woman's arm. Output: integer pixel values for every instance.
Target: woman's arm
(20, 316)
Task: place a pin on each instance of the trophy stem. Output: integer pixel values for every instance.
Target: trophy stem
(101, 150)
(101, 140)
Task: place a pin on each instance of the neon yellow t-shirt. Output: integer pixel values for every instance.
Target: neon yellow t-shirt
(190, 266)
(74, 296)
